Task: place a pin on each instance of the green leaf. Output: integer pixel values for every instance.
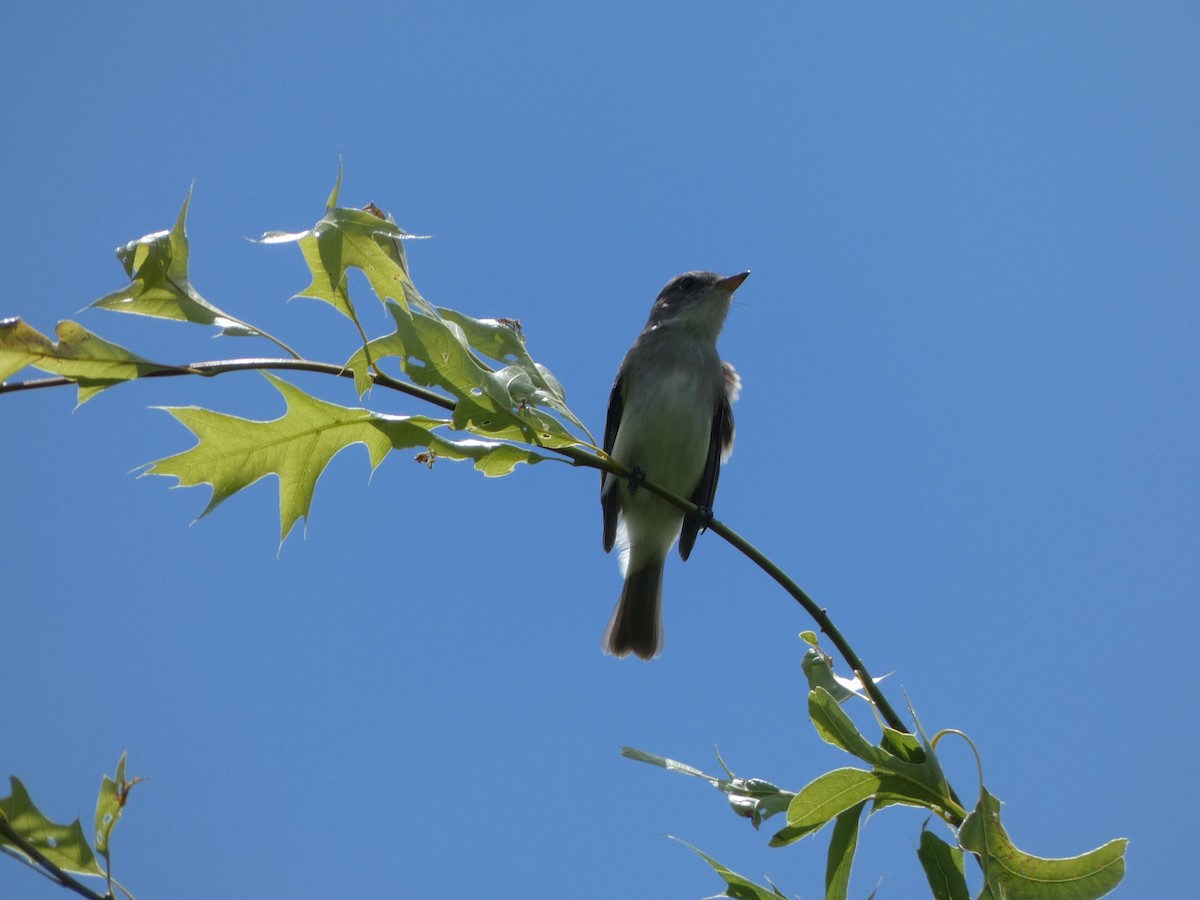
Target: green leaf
(353, 238)
(903, 746)
(157, 266)
(829, 795)
(737, 886)
(840, 858)
(233, 453)
(503, 340)
(64, 845)
(835, 727)
(87, 359)
(790, 834)
(114, 793)
(943, 865)
(896, 789)
(818, 670)
(502, 404)
(926, 785)
(750, 798)
(1010, 873)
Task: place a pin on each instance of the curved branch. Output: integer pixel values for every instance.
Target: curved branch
(592, 458)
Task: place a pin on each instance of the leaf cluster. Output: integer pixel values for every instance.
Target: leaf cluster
(901, 769)
(61, 851)
(504, 408)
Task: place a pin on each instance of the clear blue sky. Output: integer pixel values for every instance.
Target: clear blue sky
(968, 427)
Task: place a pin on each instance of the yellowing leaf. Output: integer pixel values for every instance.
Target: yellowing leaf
(87, 359)
(233, 453)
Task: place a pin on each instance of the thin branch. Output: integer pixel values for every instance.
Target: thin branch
(818, 614)
(216, 367)
(593, 458)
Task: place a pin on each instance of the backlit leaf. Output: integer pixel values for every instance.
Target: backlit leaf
(157, 266)
(829, 795)
(63, 845)
(1011, 873)
(353, 238)
(85, 358)
(232, 453)
(435, 352)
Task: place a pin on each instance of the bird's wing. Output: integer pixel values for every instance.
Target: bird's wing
(610, 500)
(719, 444)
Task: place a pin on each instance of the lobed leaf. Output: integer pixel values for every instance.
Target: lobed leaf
(1011, 873)
(232, 453)
(435, 352)
(64, 845)
(157, 266)
(86, 358)
(353, 238)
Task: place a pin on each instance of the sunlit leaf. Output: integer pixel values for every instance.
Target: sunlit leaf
(157, 266)
(435, 352)
(353, 238)
(85, 358)
(233, 453)
(829, 795)
(503, 341)
(64, 845)
(1011, 873)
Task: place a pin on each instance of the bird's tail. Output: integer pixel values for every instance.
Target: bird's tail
(636, 623)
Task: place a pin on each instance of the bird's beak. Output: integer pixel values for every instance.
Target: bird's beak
(733, 282)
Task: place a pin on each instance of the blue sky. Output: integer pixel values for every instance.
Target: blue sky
(968, 428)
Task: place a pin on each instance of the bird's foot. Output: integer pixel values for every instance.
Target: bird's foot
(636, 477)
(704, 515)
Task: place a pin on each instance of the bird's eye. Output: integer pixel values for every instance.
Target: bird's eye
(687, 282)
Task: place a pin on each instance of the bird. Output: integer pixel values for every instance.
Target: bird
(670, 420)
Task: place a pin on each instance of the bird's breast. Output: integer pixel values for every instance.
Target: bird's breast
(665, 429)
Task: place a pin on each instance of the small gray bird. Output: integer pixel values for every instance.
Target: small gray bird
(669, 421)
